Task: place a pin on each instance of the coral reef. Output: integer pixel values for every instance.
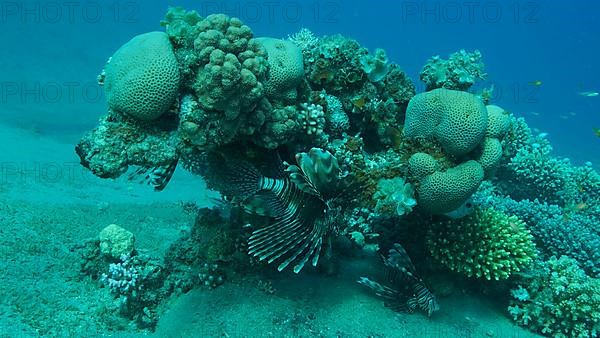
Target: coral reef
(116, 242)
(286, 70)
(118, 143)
(445, 172)
(444, 191)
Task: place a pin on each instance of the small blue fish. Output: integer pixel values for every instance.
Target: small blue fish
(589, 94)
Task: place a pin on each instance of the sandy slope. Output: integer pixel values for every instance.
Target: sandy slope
(43, 220)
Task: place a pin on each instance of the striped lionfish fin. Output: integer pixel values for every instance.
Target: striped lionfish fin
(291, 238)
(296, 235)
(424, 299)
(234, 178)
(393, 298)
(299, 178)
(157, 177)
(399, 266)
(399, 262)
(380, 290)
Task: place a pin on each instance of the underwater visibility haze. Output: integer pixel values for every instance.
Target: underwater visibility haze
(300, 169)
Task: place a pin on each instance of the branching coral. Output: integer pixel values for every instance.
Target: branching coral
(556, 231)
(488, 244)
(558, 300)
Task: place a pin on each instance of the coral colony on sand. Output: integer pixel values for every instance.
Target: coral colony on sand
(314, 139)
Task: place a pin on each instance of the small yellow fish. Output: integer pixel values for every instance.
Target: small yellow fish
(536, 83)
(596, 131)
(589, 94)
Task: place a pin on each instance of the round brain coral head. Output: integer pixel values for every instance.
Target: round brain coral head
(286, 69)
(456, 120)
(488, 244)
(142, 77)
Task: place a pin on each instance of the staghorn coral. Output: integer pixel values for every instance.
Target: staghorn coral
(488, 244)
(305, 39)
(556, 231)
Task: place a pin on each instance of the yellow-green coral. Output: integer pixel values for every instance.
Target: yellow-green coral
(488, 244)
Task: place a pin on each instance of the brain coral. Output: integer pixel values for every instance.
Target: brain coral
(487, 244)
(286, 69)
(498, 122)
(421, 165)
(491, 154)
(444, 191)
(142, 77)
(457, 120)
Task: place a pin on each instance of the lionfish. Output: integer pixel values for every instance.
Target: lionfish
(407, 291)
(300, 201)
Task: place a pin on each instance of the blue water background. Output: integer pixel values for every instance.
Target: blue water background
(52, 54)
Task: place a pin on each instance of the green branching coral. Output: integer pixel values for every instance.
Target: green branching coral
(560, 300)
(487, 244)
